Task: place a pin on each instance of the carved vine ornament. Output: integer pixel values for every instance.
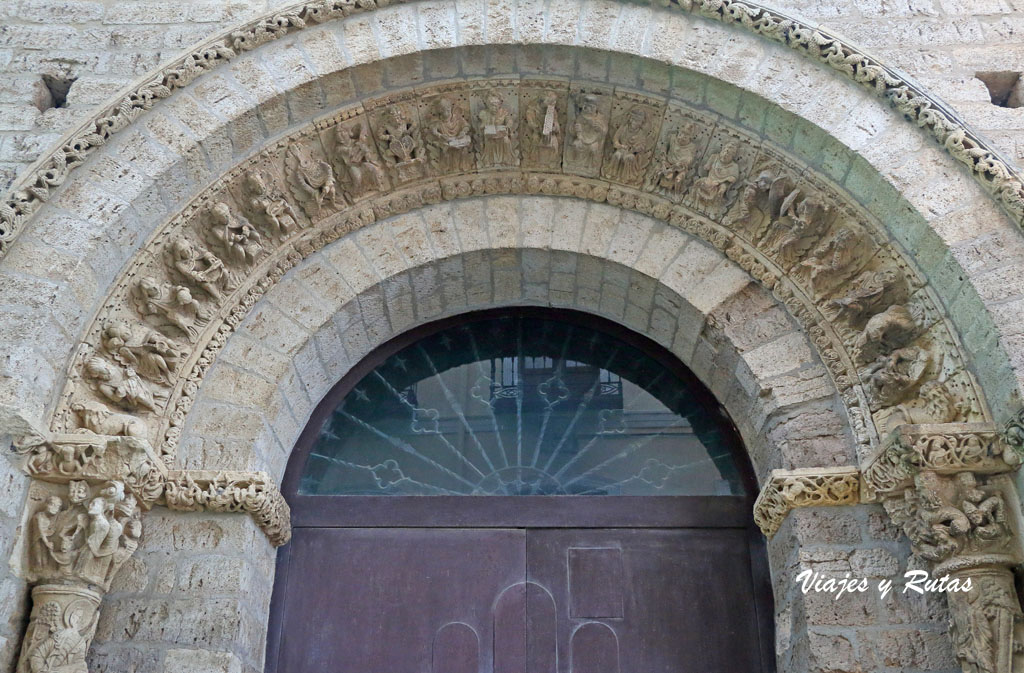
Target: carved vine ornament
(877, 327)
(996, 174)
(949, 487)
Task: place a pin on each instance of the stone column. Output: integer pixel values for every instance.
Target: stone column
(946, 486)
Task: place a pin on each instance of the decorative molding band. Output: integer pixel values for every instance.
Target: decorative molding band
(878, 329)
(50, 171)
(225, 491)
(785, 490)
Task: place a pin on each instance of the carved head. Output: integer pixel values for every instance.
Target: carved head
(255, 184)
(443, 108)
(99, 369)
(220, 214)
(493, 101)
(91, 414)
(589, 104)
(729, 151)
(637, 117)
(78, 491)
(53, 505)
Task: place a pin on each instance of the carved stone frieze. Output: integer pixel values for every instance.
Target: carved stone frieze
(786, 490)
(823, 258)
(251, 492)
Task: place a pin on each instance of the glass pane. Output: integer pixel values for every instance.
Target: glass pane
(520, 406)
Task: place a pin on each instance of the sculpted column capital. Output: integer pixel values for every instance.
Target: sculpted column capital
(945, 485)
(786, 490)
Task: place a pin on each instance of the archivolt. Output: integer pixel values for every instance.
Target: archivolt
(51, 171)
(876, 325)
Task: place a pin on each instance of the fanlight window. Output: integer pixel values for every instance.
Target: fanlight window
(521, 405)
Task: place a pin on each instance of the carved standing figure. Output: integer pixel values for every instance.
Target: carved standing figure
(680, 156)
(632, 147)
(497, 132)
(270, 210)
(123, 387)
(449, 143)
(311, 180)
(236, 238)
(170, 305)
(717, 175)
(201, 267)
(359, 160)
(40, 537)
(542, 141)
(588, 133)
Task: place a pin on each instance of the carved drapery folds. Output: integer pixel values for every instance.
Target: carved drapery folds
(946, 487)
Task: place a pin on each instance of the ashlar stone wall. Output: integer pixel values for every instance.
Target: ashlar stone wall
(99, 46)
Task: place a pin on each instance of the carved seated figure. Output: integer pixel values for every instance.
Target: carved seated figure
(364, 173)
(270, 210)
(672, 177)
(717, 176)
(496, 131)
(238, 239)
(448, 140)
(631, 147)
(202, 267)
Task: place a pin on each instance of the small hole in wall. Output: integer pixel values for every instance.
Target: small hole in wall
(58, 88)
(1003, 87)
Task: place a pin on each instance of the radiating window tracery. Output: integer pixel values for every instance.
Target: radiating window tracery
(519, 405)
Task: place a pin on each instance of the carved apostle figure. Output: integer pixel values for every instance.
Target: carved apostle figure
(542, 141)
(365, 174)
(588, 132)
(236, 238)
(269, 210)
(311, 180)
(497, 132)
(170, 305)
(673, 175)
(198, 265)
(632, 147)
(718, 174)
(123, 387)
(449, 144)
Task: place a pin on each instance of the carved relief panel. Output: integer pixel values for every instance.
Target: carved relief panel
(683, 141)
(495, 110)
(633, 134)
(543, 110)
(589, 110)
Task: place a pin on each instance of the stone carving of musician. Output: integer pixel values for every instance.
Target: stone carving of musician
(123, 387)
(202, 267)
(720, 172)
(497, 130)
(311, 179)
(399, 144)
(672, 177)
(238, 239)
(544, 133)
(588, 132)
(170, 305)
(270, 210)
(364, 172)
(448, 138)
(631, 148)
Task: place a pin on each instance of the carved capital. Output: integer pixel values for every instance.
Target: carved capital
(942, 448)
(63, 458)
(252, 492)
(786, 490)
(941, 484)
